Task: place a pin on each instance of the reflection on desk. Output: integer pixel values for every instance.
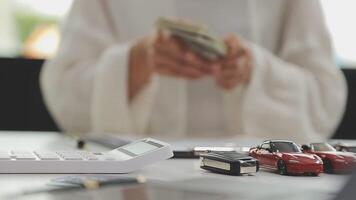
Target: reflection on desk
(201, 188)
(136, 192)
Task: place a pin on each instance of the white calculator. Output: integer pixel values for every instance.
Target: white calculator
(124, 159)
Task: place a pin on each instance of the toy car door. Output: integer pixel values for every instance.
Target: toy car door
(265, 154)
(268, 154)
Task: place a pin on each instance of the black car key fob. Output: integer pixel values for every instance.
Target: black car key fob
(232, 163)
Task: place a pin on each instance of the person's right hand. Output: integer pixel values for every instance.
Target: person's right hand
(166, 55)
(172, 57)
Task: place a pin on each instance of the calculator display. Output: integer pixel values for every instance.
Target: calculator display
(139, 148)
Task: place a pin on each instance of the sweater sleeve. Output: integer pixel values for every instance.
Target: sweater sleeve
(297, 93)
(85, 84)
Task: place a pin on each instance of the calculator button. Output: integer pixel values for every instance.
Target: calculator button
(69, 155)
(21, 152)
(44, 155)
(88, 155)
(72, 158)
(22, 155)
(49, 158)
(25, 158)
(92, 158)
(108, 158)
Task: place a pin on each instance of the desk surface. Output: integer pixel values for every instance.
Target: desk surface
(179, 173)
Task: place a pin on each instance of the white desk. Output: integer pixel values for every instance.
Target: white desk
(177, 172)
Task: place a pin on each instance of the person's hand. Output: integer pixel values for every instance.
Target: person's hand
(171, 57)
(235, 68)
(165, 55)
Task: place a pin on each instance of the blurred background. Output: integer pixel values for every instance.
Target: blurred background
(30, 28)
(30, 34)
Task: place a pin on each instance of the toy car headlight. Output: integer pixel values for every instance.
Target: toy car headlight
(340, 160)
(293, 161)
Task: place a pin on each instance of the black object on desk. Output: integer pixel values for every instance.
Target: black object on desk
(189, 153)
(231, 163)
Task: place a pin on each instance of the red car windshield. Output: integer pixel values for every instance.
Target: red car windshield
(322, 147)
(286, 147)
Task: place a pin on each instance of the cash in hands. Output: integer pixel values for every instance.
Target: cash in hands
(195, 37)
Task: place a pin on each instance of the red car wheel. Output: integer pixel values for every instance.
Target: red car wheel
(328, 166)
(314, 174)
(282, 168)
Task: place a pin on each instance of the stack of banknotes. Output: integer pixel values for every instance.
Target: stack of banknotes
(196, 37)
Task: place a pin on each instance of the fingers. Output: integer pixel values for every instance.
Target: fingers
(227, 77)
(233, 72)
(172, 57)
(175, 48)
(161, 36)
(234, 46)
(168, 66)
(178, 54)
(247, 69)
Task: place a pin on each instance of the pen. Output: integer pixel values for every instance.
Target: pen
(87, 184)
(80, 142)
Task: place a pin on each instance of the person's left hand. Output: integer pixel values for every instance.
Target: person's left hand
(235, 68)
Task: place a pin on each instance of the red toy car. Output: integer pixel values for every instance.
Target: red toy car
(287, 158)
(334, 161)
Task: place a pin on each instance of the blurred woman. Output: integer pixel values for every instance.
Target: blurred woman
(114, 74)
